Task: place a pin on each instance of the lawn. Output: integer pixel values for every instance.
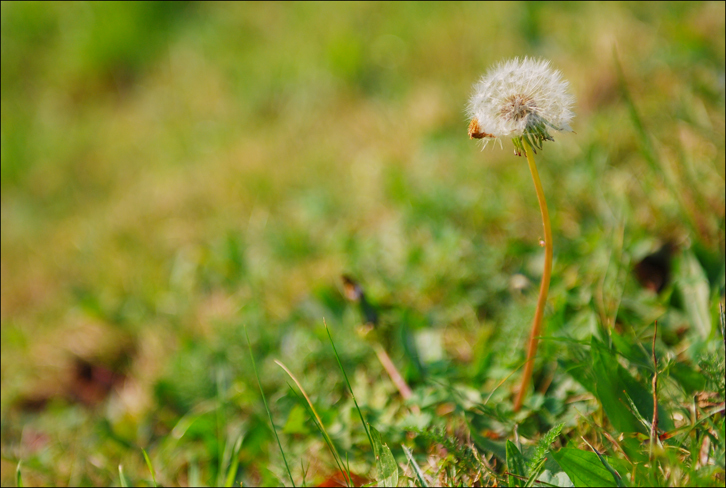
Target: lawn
(193, 193)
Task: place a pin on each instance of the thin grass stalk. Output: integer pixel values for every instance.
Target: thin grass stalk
(333, 451)
(350, 388)
(151, 467)
(221, 422)
(417, 471)
(544, 285)
(269, 414)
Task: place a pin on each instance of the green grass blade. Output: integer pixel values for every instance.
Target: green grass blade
(350, 389)
(304, 474)
(636, 412)
(223, 442)
(151, 468)
(121, 477)
(647, 149)
(194, 475)
(269, 414)
(225, 447)
(234, 464)
(333, 451)
(18, 475)
(318, 424)
(416, 469)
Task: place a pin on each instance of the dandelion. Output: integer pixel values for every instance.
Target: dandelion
(524, 100)
(521, 99)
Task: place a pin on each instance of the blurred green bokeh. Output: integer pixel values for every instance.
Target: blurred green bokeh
(174, 171)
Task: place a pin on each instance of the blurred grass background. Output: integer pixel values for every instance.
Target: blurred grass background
(173, 172)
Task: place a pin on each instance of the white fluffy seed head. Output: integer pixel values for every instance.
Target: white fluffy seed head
(520, 98)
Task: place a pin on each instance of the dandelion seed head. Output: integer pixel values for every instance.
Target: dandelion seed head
(520, 98)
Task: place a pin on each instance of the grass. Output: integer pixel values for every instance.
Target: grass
(175, 175)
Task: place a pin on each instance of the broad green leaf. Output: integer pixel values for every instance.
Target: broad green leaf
(578, 364)
(689, 379)
(609, 390)
(385, 462)
(614, 384)
(606, 465)
(487, 445)
(632, 351)
(584, 468)
(558, 479)
(296, 421)
(515, 464)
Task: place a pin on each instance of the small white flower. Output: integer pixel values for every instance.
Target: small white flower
(520, 99)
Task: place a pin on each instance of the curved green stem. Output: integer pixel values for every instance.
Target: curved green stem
(545, 284)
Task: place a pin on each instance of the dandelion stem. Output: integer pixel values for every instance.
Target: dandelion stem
(545, 284)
